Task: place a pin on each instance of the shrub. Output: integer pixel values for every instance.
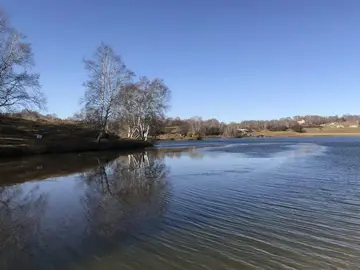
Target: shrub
(298, 128)
(277, 128)
(212, 131)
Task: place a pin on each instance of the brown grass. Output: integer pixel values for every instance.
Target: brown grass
(17, 138)
(312, 132)
(177, 137)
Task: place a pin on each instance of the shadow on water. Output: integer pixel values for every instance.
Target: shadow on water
(118, 197)
(20, 219)
(36, 168)
(111, 200)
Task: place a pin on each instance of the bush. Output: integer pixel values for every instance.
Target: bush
(277, 128)
(212, 131)
(298, 128)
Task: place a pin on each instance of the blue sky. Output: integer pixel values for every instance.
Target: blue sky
(232, 60)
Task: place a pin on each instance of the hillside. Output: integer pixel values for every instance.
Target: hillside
(18, 137)
(340, 130)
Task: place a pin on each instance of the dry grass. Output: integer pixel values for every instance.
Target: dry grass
(177, 137)
(17, 138)
(309, 132)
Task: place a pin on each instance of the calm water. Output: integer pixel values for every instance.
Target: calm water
(225, 204)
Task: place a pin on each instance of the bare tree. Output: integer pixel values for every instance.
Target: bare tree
(107, 75)
(142, 104)
(231, 130)
(196, 124)
(18, 87)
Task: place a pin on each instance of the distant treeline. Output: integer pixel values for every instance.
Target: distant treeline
(31, 115)
(213, 127)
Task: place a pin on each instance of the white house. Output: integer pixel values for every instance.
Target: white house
(301, 122)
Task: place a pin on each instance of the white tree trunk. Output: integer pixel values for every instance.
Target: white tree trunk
(146, 133)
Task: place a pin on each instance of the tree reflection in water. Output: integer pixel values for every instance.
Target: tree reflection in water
(119, 200)
(125, 196)
(20, 216)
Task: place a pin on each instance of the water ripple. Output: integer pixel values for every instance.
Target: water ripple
(240, 205)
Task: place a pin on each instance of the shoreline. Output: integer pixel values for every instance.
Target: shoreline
(39, 167)
(310, 134)
(70, 147)
(19, 138)
(270, 135)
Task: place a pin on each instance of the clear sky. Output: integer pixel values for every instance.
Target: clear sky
(233, 60)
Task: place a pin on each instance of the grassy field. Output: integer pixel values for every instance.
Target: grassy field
(309, 132)
(18, 138)
(326, 131)
(176, 137)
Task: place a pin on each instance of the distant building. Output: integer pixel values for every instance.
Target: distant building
(301, 122)
(243, 132)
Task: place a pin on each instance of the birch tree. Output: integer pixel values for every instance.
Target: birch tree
(18, 86)
(196, 124)
(107, 75)
(142, 103)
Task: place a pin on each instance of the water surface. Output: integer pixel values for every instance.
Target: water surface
(216, 204)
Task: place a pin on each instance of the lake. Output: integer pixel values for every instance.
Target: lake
(216, 204)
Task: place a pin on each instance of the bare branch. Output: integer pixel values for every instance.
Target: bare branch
(142, 105)
(107, 75)
(18, 87)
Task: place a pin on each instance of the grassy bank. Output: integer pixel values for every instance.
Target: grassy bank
(312, 132)
(177, 137)
(308, 132)
(18, 138)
